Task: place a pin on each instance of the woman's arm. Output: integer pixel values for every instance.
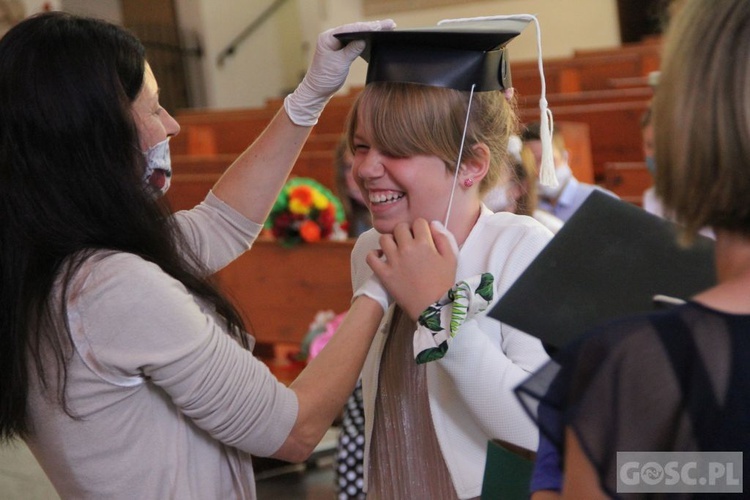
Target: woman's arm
(323, 387)
(581, 479)
(253, 181)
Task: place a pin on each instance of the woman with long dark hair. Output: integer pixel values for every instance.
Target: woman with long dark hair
(125, 370)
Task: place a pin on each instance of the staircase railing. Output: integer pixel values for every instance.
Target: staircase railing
(249, 30)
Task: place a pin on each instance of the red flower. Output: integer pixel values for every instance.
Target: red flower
(305, 211)
(310, 231)
(326, 219)
(281, 224)
(303, 194)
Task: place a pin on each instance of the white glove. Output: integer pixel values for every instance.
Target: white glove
(364, 281)
(374, 289)
(328, 71)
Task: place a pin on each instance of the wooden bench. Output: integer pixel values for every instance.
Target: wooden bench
(628, 180)
(207, 132)
(636, 93)
(590, 69)
(577, 139)
(615, 129)
(278, 291)
(194, 175)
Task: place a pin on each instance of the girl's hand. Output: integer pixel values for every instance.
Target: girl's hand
(416, 264)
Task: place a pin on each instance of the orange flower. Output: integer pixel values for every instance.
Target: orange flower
(309, 231)
(302, 193)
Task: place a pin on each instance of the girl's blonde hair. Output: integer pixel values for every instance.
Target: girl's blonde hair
(406, 120)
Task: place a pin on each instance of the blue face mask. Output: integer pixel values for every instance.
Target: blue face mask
(651, 165)
(158, 174)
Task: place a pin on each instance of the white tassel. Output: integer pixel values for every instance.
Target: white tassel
(547, 176)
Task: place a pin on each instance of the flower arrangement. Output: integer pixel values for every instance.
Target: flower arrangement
(306, 211)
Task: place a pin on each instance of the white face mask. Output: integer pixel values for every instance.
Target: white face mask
(497, 199)
(158, 174)
(563, 174)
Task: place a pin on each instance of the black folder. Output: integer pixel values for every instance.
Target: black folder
(610, 259)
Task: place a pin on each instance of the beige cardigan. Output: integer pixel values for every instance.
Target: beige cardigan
(170, 406)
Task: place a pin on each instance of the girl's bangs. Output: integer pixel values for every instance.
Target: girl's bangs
(406, 120)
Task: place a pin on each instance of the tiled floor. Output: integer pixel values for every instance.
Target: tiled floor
(21, 478)
(311, 481)
(298, 483)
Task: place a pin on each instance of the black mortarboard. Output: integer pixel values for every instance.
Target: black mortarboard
(610, 259)
(455, 55)
(463, 54)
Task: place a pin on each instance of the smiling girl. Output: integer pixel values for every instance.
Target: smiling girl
(428, 422)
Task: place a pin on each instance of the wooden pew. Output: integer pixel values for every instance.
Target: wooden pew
(193, 176)
(279, 290)
(649, 50)
(577, 139)
(628, 180)
(209, 132)
(531, 101)
(244, 124)
(615, 129)
(590, 69)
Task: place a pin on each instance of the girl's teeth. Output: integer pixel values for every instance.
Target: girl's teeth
(385, 197)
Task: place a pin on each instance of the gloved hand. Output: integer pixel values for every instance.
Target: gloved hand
(327, 72)
(374, 289)
(364, 281)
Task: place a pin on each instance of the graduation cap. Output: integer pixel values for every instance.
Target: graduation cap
(610, 259)
(456, 55)
(465, 54)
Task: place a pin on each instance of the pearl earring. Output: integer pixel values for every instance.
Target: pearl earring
(469, 182)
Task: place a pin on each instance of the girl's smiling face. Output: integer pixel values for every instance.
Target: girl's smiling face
(399, 189)
(407, 140)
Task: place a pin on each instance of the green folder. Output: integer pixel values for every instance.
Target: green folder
(507, 474)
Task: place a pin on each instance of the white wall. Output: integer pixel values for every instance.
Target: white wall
(272, 60)
(266, 64)
(566, 25)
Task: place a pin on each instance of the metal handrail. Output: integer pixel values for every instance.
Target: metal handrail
(232, 47)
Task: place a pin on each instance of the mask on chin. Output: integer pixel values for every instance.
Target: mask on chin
(564, 174)
(497, 199)
(158, 174)
(651, 165)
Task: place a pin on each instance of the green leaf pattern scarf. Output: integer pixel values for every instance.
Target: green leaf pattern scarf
(467, 298)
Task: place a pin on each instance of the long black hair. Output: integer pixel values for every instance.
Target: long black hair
(70, 184)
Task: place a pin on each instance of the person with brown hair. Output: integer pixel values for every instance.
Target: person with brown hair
(675, 380)
(437, 384)
(125, 369)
